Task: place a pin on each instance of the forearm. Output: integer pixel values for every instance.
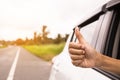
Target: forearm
(110, 64)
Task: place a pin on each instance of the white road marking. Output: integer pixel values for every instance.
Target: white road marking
(12, 70)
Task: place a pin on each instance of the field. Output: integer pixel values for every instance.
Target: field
(46, 51)
(3, 46)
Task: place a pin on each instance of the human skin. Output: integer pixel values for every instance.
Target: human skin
(84, 55)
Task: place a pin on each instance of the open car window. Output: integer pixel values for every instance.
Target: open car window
(88, 31)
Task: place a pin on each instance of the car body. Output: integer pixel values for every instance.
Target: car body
(101, 29)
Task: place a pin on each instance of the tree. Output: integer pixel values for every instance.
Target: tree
(58, 39)
(35, 37)
(19, 41)
(44, 32)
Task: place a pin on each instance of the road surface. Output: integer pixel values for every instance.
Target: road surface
(18, 64)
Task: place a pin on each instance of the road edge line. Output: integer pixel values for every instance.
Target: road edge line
(13, 67)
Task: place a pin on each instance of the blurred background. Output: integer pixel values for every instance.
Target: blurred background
(36, 23)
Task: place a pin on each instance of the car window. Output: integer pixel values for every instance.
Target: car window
(109, 38)
(113, 35)
(88, 31)
(101, 41)
(116, 47)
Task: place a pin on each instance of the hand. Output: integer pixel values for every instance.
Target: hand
(82, 54)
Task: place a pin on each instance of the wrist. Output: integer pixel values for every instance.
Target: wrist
(99, 60)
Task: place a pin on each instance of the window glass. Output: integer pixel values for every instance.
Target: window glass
(88, 31)
(116, 44)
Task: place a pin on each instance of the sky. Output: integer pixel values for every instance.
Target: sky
(21, 18)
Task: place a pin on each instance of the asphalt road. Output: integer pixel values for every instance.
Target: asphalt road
(18, 64)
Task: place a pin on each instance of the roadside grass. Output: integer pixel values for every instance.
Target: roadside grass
(46, 51)
(3, 46)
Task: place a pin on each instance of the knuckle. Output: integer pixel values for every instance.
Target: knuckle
(70, 50)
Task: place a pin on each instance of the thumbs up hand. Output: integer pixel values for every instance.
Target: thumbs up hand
(82, 54)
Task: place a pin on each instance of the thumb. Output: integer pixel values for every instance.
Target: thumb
(79, 36)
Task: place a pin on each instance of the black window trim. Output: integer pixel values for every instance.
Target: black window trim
(93, 17)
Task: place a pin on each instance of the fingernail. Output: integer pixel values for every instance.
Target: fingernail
(76, 28)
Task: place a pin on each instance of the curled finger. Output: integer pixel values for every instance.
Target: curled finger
(76, 51)
(77, 57)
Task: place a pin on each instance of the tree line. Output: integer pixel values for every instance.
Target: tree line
(41, 38)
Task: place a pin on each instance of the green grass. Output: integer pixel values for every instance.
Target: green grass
(3, 46)
(47, 51)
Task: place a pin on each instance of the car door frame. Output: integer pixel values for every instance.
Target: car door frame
(104, 37)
